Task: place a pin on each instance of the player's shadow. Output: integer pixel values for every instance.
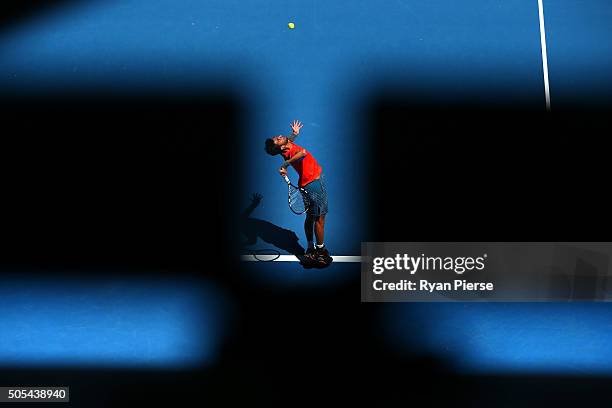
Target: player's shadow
(253, 228)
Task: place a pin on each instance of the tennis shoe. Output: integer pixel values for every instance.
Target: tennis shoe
(322, 256)
(322, 252)
(311, 254)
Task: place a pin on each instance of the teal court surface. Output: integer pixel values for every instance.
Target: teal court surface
(323, 72)
(548, 54)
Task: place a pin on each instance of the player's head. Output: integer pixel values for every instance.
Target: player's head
(274, 144)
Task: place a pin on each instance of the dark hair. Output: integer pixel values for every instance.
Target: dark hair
(271, 148)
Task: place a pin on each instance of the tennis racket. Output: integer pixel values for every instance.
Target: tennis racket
(297, 198)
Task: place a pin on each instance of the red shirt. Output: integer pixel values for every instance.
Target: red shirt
(307, 167)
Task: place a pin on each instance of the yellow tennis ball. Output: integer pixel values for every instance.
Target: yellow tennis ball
(291, 25)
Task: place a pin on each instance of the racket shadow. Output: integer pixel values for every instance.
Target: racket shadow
(252, 229)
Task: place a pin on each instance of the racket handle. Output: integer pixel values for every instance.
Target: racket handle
(286, 179)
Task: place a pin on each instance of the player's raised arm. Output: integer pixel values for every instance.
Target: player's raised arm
(296, 125)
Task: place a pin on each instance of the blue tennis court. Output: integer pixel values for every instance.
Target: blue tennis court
(323, 72)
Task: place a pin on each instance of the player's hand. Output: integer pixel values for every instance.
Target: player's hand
(296, 125)
(282, 171)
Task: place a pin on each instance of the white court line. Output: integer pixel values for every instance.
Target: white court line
(293, 258)
(544, 54)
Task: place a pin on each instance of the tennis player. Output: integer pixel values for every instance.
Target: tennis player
(310, 179)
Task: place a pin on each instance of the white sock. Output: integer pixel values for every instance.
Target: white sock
(320, 246)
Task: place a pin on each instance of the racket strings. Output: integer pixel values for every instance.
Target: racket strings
(300, 200)
(297, 201)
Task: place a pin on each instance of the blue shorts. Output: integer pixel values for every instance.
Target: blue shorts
(317, 197)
